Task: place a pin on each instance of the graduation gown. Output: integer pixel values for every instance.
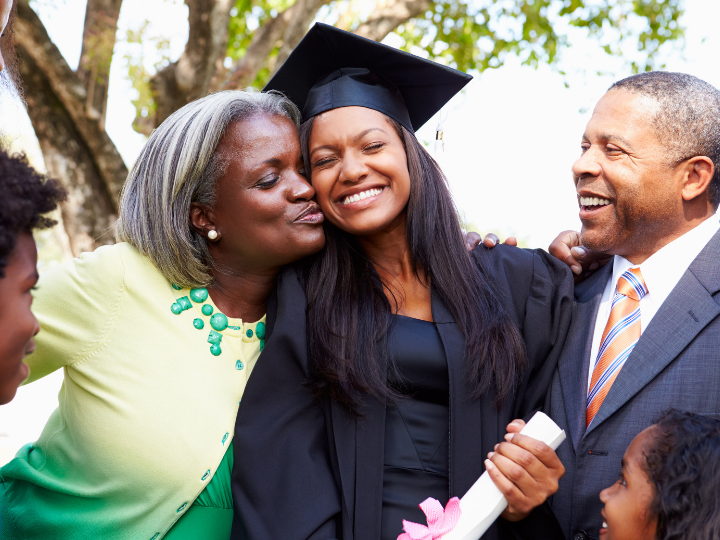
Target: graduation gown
(306, 469)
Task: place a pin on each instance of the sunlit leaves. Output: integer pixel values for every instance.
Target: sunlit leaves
(479, 34)
(140, 74)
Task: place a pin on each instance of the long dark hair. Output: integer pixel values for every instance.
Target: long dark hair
(349, 315)
(682, 460)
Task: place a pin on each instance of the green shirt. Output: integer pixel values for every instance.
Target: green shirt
(210, 516)
(146, 411)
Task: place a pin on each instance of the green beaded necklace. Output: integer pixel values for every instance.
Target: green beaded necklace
(218, 321)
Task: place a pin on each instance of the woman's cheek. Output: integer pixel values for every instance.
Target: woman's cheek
(322, 192)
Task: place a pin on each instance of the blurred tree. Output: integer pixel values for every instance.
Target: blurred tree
(237, 43)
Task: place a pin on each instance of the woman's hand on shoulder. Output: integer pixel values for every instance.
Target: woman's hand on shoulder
(525, 470)
(473, 239)
(568, 248)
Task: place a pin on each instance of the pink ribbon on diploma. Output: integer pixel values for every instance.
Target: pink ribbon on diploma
(439, 521)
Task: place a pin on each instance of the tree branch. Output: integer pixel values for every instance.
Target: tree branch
(288, 28)
(76, 148)
(64, 83)
(101, 18)
(189, 78)
(389, 17)
(90, 210)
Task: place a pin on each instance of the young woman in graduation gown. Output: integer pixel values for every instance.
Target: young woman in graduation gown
(397, 358)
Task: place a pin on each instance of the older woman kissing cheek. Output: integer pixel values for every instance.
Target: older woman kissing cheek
(158, 334)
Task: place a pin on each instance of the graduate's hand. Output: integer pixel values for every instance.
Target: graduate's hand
(525, 470)
(472, 239)
(568, 248)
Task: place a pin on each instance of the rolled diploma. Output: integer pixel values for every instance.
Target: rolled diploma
(483, 503)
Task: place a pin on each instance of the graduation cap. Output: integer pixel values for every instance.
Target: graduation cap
(331, 68)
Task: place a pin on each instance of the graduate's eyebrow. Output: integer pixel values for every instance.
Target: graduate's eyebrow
(362, 134)
(356, 139)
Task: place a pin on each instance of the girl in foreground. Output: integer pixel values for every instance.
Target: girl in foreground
(26, 196)
(416, 354)
(668, 489)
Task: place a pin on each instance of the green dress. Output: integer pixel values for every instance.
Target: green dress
(210, 516)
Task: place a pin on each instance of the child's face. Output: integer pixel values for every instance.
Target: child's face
(18, 323)
(627, 514)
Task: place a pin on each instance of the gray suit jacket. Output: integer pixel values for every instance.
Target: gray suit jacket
(676, 363)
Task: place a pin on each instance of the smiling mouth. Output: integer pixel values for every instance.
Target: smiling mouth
(589, 204)
(373, 192)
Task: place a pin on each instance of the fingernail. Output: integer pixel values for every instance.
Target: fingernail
(576, 269)
(495, 447)
(490, 455)
(493, 241)
(489, 465)
(578, 251)
(509, 436)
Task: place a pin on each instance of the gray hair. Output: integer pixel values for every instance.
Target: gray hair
(687, 118)
(178, 166)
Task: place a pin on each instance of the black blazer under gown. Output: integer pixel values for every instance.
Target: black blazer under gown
(306, 469)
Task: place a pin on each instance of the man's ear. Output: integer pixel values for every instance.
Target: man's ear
(698, 174)
(202, 219)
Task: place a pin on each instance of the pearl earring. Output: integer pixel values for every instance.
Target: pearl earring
(212, 234)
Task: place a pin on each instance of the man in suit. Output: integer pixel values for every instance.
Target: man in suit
(645, 334)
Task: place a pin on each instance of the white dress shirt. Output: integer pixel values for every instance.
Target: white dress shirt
(661, 273)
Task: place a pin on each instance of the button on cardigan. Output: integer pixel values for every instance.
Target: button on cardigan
(146, 411)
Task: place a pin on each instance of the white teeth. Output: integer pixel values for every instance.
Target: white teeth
(362, 195)
(593, 201)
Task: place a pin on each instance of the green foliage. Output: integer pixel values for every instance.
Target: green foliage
(479, 34)
(139, 73)
(246, 16)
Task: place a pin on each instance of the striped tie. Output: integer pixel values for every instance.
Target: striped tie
(618, 340)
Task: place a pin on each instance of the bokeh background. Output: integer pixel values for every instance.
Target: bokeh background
(510, 138)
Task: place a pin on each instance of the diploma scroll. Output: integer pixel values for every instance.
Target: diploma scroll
(483, 503)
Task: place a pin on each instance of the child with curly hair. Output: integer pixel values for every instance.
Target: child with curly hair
(669, 486)
(25, 195)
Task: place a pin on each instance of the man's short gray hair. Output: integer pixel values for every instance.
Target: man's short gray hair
(178, 166)
(687, 120)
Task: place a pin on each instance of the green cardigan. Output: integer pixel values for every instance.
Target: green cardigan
(146, 410)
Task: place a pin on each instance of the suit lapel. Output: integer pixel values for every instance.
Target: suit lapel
(686, 311)
(574, 363)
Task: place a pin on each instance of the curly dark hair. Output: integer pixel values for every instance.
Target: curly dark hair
(683, 462)
(25, 195)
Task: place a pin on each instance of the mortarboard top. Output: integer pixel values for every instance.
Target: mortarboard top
(331, 68)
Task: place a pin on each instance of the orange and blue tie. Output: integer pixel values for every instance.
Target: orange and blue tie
(618, 340)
